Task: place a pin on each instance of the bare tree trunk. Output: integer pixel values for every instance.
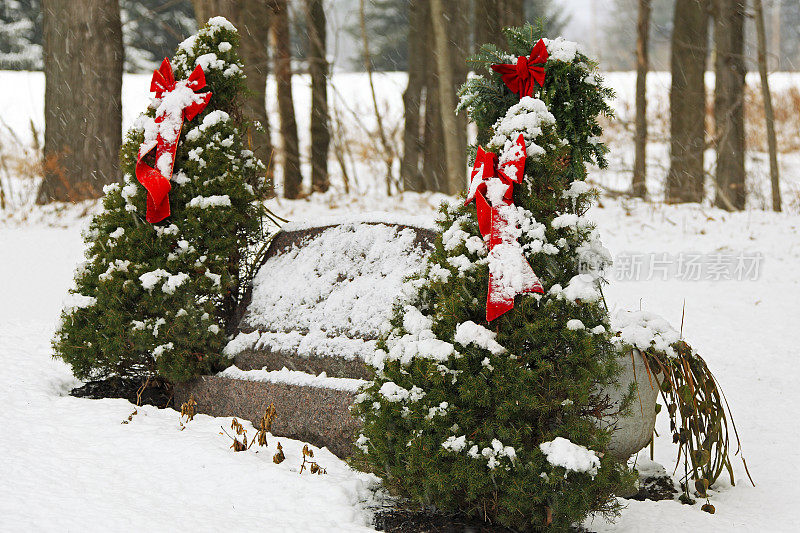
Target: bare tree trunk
(252, 21)
(318, 68)
(453, 159)
(251, 18)
(512, 13)
(776, 34)
(687, 100)
(83, 58)
(768, 112)
(339, 145)
(435, 164)
(729, 103)
(409, 165)
(488, 22)
(457, 12)
(434, 168)
(387, 151)
(205, 9)
(279, 36)
(642, 66)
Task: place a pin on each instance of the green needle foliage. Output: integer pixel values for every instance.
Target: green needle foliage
(573, 91)
(456, 422)
(158, 299)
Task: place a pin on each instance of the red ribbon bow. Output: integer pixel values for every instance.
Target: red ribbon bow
(178, 100)
(523, 77)
(509, 272)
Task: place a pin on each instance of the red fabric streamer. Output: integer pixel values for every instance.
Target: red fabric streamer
(178, 101)
(497, 181)
(523, 76)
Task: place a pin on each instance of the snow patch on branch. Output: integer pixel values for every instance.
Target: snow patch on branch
(576, 188)
(161, 349)
(204, 202)
(527, 117)
(118, 265)
(75, 301)
(454, 235)
(496, 452)
(209, 121)
(217, 23)
(414, 322)
(455, 444)
(209, 61)
(593, 258)
(574, 457)
(571, 220)
(575, 325)
(560, 49)
(151, 279)
(395, 393)
(471, 333)
(584, 288)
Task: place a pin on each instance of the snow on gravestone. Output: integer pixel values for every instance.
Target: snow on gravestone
(324, 291)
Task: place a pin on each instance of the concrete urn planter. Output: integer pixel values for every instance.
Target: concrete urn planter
(633, 431)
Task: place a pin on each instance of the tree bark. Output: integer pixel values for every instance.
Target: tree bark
(729, 103)
(251, 18)
(642, 66)
(444, 66)
(409, 165)
(205, 9)
(83, 58)
(280, 40)
(688, 102)
(776, 35)
(512, 13)
(252, 21)
(768, 111)
(457, 12)
(434, 166)
(488, 22)
(318, 69)
(387, 151)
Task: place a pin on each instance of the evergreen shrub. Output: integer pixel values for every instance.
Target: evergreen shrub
(499, 420)
(159, 299)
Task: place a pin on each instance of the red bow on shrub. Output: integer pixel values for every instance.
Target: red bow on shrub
(522, 77)
(509, 272)
(178, 100)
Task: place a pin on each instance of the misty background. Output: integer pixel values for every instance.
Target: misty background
(153, 28)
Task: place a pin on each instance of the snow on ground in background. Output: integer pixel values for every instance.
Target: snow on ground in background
(71, 462)
(22, 104)
(22, 95)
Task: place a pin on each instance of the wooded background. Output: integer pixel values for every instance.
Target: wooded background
(428, 39)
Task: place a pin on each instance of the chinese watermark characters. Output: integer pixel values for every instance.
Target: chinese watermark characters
(682, 266)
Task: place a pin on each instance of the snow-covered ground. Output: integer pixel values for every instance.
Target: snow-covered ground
(71, 464)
